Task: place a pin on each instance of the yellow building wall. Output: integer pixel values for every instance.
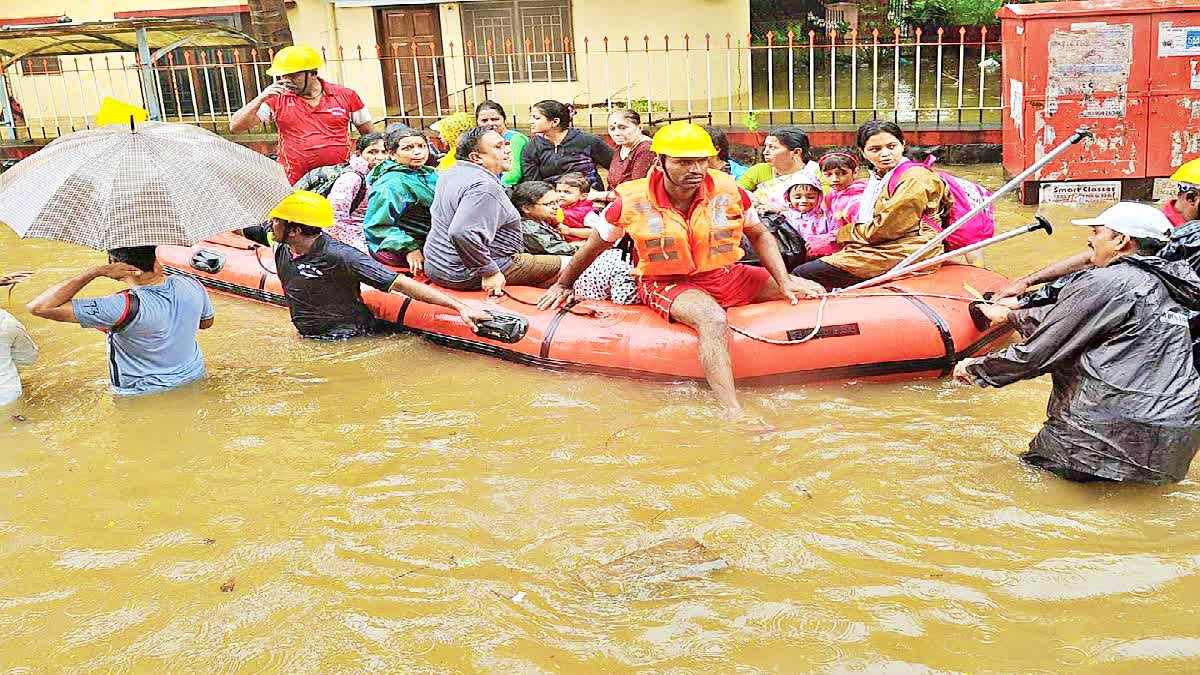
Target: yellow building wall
(670, 79)
(57, 103)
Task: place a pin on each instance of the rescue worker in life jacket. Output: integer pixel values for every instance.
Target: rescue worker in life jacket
(686, 224)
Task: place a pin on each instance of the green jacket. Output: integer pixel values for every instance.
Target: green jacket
(397, 218)
(541, 240)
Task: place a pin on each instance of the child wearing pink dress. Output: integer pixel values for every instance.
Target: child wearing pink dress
(806, 216)
(840, 203)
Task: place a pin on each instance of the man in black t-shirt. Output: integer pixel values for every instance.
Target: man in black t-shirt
(321, 276)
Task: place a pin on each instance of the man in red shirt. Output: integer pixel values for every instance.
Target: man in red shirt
(1186, 205)
(313, 116)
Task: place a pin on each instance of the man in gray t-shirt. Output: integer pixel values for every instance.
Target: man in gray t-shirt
(151, 326)
(475, 239)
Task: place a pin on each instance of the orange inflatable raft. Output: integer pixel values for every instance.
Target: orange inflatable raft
(913, 328)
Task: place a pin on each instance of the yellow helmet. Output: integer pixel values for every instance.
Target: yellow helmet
(305, 208)
(1188, 173)
(683, 139)
(295, 59)
(113, 111)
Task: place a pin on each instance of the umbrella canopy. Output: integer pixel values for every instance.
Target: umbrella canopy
(159, 183)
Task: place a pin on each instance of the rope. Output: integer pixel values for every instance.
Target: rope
(821, 313)
(257, 249)
(585, 311)
(12, 280)
(816, 329)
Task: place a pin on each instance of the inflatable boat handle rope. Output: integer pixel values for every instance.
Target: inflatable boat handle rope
(821, 313)
(11, 280)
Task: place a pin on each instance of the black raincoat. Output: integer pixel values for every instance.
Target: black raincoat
(1126, 399)
(1185, 246)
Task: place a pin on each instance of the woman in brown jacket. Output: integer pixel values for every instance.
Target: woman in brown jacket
(892, 223)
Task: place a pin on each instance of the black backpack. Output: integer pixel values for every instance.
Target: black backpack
(321, 179)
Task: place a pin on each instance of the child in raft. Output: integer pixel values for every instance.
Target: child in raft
(806, 216)
(572, 191)
(840, 203)
(609, 278)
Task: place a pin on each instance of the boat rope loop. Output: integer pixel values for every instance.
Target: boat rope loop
(821, 313)
(571, 308)
(816, 329)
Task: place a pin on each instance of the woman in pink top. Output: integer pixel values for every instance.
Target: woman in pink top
(349, 192)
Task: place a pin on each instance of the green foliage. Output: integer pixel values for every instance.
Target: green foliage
(750, 121)
(953, 12)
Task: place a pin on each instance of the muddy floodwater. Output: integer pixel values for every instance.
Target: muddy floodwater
(389, 505)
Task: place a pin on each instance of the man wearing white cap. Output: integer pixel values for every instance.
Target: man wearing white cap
(1126, 399)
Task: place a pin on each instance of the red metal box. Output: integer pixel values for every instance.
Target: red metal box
(1129, 69)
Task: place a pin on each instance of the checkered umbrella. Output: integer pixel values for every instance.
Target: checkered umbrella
(158, 183)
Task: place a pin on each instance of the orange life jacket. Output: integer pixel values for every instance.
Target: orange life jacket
(667, 244)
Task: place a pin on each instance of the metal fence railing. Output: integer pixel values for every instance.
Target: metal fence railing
(931, 79)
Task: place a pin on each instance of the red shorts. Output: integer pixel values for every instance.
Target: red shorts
(731, 286)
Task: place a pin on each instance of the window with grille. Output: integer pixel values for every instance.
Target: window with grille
(201, 81)
(520, 21)
(41, 65)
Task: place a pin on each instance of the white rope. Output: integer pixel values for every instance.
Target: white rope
(821, 312)
(816, 329)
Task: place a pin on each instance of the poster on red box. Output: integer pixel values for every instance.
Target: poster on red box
(1182, 41)
(1091, 60)
(1081, 192)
